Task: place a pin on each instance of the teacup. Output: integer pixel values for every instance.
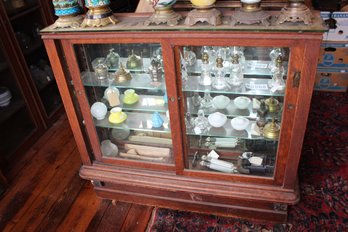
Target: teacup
(117, 116)
(130, 97)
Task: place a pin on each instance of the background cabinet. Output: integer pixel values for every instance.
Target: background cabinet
(166, 163)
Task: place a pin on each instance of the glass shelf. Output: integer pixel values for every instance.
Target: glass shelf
(232, 111)
(251, 86)
(139, 81)
(251, 67)
(136, 122)
(227, 131)
(145, 61)
(146, 103)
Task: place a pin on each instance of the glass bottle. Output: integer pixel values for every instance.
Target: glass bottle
(196, 99)
(112, 59)
(189, 57)
(101, 69)
(235, 50)
(219, 81)
(274, 54)
(207, 101)
(277, 84)
(205, 78)
(201, 123)
(236, 75)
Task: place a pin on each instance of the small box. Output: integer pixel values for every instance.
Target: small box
(340, 33)
(332, 80)
(333, 55)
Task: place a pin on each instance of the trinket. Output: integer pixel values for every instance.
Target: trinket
(271, 130)
(157, 120)
(123, 75)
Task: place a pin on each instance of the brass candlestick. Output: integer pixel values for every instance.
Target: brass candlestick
(250, 13)
(295, 12)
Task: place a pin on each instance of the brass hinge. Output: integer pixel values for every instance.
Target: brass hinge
(296, 80)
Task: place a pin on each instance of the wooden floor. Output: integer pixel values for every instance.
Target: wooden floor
(47, 194)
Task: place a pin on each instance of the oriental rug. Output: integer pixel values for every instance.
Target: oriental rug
(323, 175)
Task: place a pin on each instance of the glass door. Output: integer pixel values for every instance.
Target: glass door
(127, 101)
(16, 122)
(233, 102)
(26, 20)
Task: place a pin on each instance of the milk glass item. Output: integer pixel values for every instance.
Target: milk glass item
(201, 123)
(99, 110)
(207, 101)
(205, 78)
(236, 73)
(219, 81)
(157, 120)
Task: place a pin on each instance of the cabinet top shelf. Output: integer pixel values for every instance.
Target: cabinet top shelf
(135, 22)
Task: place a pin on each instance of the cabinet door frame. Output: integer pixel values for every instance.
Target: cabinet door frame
(296, 100)
(285, 163)
(68, 47)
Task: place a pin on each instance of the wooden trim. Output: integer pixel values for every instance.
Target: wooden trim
(291, 95)
(311, 53)
(112, 36)
(57, 66)
(173, 103)
(81, 96)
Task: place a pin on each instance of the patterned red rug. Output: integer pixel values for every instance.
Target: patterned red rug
(323, 177)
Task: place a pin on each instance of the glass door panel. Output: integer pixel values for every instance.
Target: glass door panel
(16, 123)
(233, 101)
(126, 93)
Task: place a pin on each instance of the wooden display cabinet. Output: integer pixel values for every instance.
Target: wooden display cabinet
(255, 175)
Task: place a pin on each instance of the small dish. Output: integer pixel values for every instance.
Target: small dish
(220, 102)
(242, 102)
(217, 119)
(239, 123)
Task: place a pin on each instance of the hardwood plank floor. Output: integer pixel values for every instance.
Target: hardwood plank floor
(45, 192)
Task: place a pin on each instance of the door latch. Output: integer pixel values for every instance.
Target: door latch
(296, 80)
